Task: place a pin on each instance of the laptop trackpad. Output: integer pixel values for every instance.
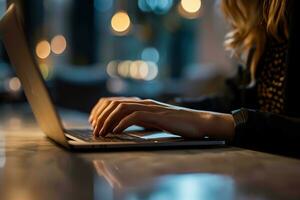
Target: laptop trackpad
(153, 135)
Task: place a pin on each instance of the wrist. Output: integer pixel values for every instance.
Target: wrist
(222, 126)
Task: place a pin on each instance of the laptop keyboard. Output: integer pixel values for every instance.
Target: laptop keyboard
(87, 135)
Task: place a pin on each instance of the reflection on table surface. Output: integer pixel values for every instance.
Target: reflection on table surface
(32, 167)
(180, 185)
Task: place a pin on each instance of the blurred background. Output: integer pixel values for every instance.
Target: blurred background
(87, 49)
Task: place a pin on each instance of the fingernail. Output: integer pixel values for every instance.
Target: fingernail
(115, 130)
(101, 132)
(95, 133)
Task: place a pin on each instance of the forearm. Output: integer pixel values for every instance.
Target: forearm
(218, 125)
(211, 124)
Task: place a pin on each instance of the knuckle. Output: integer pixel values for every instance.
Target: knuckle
(114, 103)
(98, 119)
(122, 107)
(102, 100)
(135, 98)
(150, 101)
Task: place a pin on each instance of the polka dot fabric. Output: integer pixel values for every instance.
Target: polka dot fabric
(271, 78)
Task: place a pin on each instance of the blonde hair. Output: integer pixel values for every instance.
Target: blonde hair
(252, 22)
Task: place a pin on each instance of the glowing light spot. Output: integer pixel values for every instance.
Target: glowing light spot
(191, 6)
(138, 69)
(123, 68)
(14, 84)
(189, 9)
(134, 70)
(112, 68)
(43, 49)
(150, 54)
(143, 70)
(143, 5)
(58, 44)
(152, 71)
(120, 23)
(157, 6)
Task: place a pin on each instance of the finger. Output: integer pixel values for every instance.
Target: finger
(106, 108)
(139, 118)
(98, 105)
(101, 105)
(103, 116)
(122, 111)
(98, 124)
(94, 110)
(109, 117)
(105, 101)
(98, 110)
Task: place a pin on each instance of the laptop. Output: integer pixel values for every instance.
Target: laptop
(44, 110)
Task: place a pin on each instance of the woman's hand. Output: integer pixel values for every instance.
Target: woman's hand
(113, 115)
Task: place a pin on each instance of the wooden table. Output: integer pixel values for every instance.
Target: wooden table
(32, 167)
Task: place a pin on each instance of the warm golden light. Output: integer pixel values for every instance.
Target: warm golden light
(14, 84)
(43, 49)
(134, 70)
(191, 6)
(120, 22)
(123, 68)
(112, 68)
(143, 70)
(58, 44)
(138, 69)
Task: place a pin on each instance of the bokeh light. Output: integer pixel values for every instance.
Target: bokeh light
(138, 69)
(143, 70)
(14, 84)
(189, 9)
(191, 6)
(112, 68)
(156, 6)
(134, 70)
(43, 49)
(58, 44)
(120, 23)
(152, 71)
(123, 68)
(150, 54)
(143, 6)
